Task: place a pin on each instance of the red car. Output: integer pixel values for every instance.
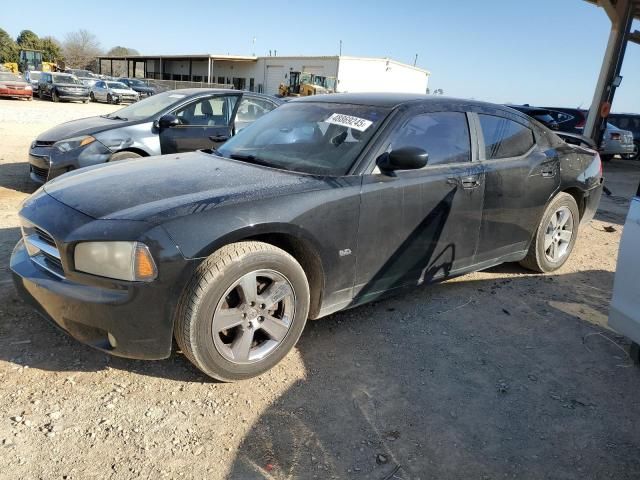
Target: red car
(12, 85)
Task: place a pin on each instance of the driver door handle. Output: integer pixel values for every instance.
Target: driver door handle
(470, 181)
(219, 138)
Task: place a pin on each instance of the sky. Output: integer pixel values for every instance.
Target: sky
(541, 52)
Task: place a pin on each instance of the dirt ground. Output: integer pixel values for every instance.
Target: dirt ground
(497, 374)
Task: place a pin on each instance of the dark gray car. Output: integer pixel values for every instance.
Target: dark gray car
(170, 122)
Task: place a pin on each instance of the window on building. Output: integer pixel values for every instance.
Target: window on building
(504, 138)
(251, 84)
(221, 80)
(196, 78)
(443, 135)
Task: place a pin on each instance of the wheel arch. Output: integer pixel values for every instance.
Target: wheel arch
(297, 243)
(136, 150)
(578, 196)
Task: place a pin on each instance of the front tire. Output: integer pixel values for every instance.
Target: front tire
(123, 156)
(109, 99)
(54, 96)
(92, 97)
(555, 236)
(243, 310)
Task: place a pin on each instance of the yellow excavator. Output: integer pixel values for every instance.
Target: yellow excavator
(302, 84)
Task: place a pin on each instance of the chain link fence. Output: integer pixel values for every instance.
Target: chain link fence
(164, 85)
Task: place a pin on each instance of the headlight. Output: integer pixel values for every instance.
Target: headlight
(2, 85)
(120, 260)
(28, 87)
(75, 142)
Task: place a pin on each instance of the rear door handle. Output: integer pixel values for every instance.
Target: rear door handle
(219, 138)
(470, 181)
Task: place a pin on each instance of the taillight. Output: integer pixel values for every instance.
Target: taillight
(581, 123)
(600, 164)
(615, 136)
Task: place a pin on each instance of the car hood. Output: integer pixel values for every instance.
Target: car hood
(82, 126)
(61, 84)
(15, 83)
(155, 189)
(142, 89)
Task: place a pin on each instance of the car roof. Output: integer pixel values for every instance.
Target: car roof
(388, 99)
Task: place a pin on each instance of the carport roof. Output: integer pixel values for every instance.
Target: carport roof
(611, 7)
(203, 56)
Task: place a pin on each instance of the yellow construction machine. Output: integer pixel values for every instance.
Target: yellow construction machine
(302, 84)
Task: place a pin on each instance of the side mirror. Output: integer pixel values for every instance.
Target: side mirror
(405, 158)
(168, 121)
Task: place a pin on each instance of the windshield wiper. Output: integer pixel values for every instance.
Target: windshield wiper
(247, 157)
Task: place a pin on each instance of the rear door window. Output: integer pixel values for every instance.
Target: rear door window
(443, 135)
(504, 138)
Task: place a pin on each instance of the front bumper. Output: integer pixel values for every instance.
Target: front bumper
(72, 95)
(127, 319)
(47, 163)
(120, 322)
(17, 93)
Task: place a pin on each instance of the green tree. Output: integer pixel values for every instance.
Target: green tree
(8, 48)
(28, 39)
(51, 48)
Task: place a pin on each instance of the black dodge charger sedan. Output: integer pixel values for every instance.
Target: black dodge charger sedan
(323, 204)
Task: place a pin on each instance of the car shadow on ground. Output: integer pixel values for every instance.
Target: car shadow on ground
(468, 379)
(15, 176)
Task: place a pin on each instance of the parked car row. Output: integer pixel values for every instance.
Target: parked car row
(615, 140)
(324, 203)
(14, 86)
(170, 122)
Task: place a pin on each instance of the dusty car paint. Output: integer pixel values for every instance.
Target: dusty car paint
(360, 235)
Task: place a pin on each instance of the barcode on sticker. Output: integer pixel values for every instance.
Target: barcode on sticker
(349, 121)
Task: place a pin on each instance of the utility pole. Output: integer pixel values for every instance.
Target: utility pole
(415, 60)
(254, 46)
(340, 54)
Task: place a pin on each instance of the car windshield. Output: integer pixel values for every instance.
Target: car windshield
(148, 107)
(117, 85)
(137, 83)
(34, 75)
(66, 79)
(315, 138)
(9, 77)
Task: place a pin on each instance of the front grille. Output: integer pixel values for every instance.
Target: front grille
(42, 249)
(43, 143)
(41, 173)
(44, 236)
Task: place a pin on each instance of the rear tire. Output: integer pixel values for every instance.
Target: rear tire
(555, 236)
(123, 156)
(92, 97)
(243, 310)
(54, 96)
(109, 99)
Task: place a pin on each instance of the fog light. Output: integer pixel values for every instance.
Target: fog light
(112, 340)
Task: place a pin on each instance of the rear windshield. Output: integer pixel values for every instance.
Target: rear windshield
(150, 106)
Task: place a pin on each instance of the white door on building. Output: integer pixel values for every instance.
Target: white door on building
(275, 76)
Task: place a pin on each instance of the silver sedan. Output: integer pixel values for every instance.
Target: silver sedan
(113, 92)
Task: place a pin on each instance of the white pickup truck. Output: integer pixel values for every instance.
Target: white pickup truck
(624, 313)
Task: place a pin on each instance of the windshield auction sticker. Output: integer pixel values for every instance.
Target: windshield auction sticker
(357, 123)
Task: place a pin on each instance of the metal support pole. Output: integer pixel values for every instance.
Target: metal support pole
(190, 69)
(611, 65)
(209, 72)
(111, 72)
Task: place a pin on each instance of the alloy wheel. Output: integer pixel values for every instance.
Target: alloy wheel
(558, 235)
(253, 317)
